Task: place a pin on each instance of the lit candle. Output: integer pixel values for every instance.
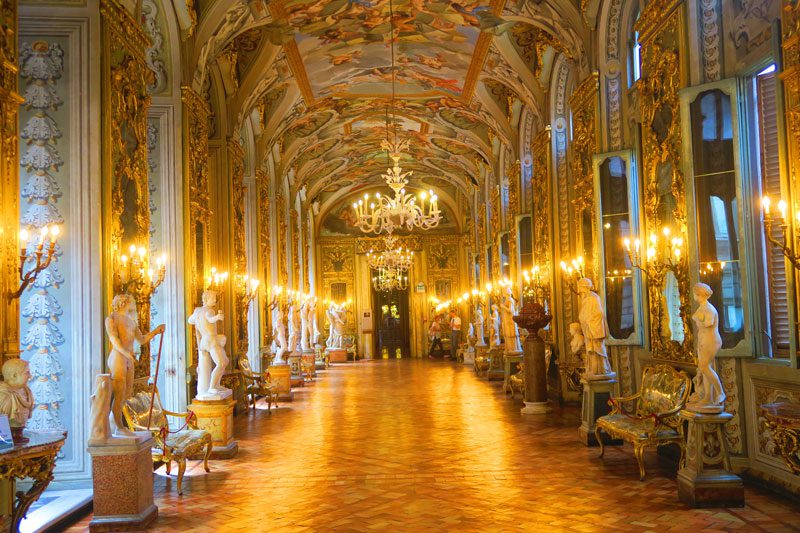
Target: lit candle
(23, 240)
(44, 231)
(765, 203)
(54, 232)
(782, 209)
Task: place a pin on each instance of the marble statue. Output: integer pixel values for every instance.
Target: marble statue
(100, 425)
(576, 338)
(336, 320)
(312, 314)
(211, 348)
(278, 334)
(708, 396)
(122, 331)
(295, 325)
(508, 308)
(594, 328)
(16, 398)
(494, 330)
(305, 337)
(479, 325)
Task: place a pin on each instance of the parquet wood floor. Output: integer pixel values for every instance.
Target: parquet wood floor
(419, 445)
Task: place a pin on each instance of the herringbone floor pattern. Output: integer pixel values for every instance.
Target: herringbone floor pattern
(417, 445)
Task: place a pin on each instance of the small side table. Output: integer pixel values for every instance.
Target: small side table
(783, 420)
(34, 459)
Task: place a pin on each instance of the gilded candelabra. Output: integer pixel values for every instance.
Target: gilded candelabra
(248, 289)
(572, 272)
(769, 223)
(43, 257)
(533, 287)
(134, 275)
(661, 255)
(215, 281)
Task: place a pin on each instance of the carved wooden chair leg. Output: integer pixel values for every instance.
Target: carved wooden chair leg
(209, 447)
(181, 471)
(598, 435)
(638, 451)
(682, 460)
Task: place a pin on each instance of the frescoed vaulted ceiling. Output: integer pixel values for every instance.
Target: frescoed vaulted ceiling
(316, 77)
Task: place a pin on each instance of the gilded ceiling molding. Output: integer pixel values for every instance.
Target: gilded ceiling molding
(661, 27)
(236, 18)
(479, 56)
(10, 101)
(125, 101)
(195, 169)
(236, 172)
(613, 73)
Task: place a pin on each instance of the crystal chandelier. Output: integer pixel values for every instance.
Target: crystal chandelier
(392, 256)
(389, 279)
(386, 214)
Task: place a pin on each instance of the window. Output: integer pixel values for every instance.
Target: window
(505, 266)
(777, 328)
(614, 178)
(635, 59)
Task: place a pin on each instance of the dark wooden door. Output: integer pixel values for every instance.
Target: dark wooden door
(392, 328)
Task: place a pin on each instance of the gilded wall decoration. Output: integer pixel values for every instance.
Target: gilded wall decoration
(514, 181)
(440, 257)
(125, 80)
(732, 429)
(306, 234)
(533, 42)
(236, 171)
(585, 113)
(541, 149)
(661, 29)
(378, 244)
(337, 258)
(43, 328)
(559, 133)
(280, 215)
(195, 170)
(294, 221)
(494, 222)
(154, 53)
(769, 393)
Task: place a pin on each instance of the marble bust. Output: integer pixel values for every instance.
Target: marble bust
(594, 328)
(16, 398)
(708, 396)
(211, 349)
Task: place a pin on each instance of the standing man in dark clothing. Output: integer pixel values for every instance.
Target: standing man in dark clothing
(455, 333)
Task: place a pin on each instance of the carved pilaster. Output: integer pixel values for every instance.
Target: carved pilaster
(9, 181)
(294, 221)
(264, 243)
(514, 180)
(125, 101)
(236, 173)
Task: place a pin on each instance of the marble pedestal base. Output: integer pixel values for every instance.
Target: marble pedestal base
(537, 408)
(296, 368)
(496, 370)
(308, 360)
(596, 394)
(705, 479)
(281, 375)
(122, 475)
(337, 356)
(469, 356)
(216, 417)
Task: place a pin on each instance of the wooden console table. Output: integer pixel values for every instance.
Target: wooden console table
(35, 460)
(783, 420)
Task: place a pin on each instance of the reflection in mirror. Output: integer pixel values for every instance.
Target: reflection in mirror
(504, 261)
(672, 322)
(525, 243)
(339, 292)
(442, 289)
(616, 226)
(199, 263)
(489, 263)
(586, 233)
(666, 198)
(717, 209)
(662, 122)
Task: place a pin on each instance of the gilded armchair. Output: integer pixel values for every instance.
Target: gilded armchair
(350, 346)
(258, 384)
(170, 446)
(651, 416)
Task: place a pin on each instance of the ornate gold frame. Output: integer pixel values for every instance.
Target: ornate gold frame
(236, 172)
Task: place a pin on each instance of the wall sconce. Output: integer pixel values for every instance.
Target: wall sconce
(43, 258)
(216, 280)
(766, 202)
(572, 273)
(533, 286)
(248, 288)
(133, 274)
(661, 255)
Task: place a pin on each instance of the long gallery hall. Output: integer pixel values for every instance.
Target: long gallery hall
(402, 265)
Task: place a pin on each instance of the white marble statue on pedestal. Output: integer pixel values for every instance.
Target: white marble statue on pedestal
(122, 331)
(336, 325)
(100, 425)
(313, 322)
(295, 325)
(494, 330)
(508, 308)
(708, 396)
(278, 334)
(16, 398)
(305, 324)
(211, 349)
(594, 328)
(479, 325)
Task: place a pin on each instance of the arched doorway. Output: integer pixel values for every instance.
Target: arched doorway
(392, 324)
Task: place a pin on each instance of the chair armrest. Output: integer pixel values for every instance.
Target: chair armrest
(615, 403)
(189, 416)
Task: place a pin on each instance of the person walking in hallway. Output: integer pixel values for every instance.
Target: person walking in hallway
(435, 335)
(455, 333)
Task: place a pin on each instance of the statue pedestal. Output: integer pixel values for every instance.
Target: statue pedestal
(308, 361)
(216, 417)
(536, 402)
(281, 375)
(337, 355)
(295, 365)
(496, 370)
(705, 479)
(469, 356)
(596, 393)
(122, 475)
